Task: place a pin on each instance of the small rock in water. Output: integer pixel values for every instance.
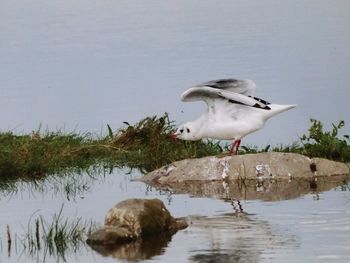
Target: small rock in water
(133, 219)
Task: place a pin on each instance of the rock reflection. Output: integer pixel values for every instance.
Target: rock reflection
(267, 190)
(141, 249)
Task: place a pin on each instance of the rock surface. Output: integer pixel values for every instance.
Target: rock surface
(249, 166)
(135, 219)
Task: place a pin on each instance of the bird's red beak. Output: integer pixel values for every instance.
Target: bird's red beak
(173, 136)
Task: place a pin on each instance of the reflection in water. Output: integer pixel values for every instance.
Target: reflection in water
(141, 249)
(230, 237)
(9, 241)
(219, 256)
(267, 190)
(68, 184)
(236, 237)
(214, 237)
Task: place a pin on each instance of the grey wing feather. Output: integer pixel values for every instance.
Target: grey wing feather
(209, 94)
(200, 93)
(244, 86)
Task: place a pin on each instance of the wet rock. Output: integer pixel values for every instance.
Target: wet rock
(249, 166)
(110, 235)
(134, 219)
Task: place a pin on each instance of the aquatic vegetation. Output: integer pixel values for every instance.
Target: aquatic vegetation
(36, 155)
(317, 143)
(327, 144)
(295, 147)
(53, 238)
(145, 145)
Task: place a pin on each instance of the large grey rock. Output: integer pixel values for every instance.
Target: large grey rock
(249, 166)
(133, 219)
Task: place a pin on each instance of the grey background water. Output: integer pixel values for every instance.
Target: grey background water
(311, 228)
(83, 64)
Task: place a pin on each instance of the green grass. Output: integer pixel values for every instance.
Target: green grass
(317, 143)
(34, 156)
(51, 238)
(145, 145)
(326, 144)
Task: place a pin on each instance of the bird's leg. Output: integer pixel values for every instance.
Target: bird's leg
(237, 146)
(232, 148)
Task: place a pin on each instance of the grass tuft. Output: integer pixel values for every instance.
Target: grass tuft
(145, 145)
(317, 143)
(56, 236)
(326, 144)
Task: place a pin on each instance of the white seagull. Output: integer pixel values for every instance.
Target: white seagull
(233, 111)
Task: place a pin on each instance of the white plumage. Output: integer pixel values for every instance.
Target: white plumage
(233, 111)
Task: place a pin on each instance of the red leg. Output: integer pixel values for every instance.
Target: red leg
(232, 147)
(237, 146)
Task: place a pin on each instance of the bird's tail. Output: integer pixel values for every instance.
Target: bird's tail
(277, 109)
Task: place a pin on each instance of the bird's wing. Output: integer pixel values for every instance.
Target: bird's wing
(245, 86)
(211, 95)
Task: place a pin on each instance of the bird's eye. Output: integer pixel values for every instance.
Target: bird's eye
(188, 130)
(181, 130)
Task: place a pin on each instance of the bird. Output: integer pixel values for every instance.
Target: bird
(233, 111)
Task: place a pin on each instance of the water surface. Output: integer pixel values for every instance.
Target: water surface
(83, 64)
(78, 65)
(310, 227)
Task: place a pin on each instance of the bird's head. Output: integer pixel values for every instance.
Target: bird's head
(185, 132)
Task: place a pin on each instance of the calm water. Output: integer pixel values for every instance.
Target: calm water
(82, 64)
(78, 65)
(311, 227)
